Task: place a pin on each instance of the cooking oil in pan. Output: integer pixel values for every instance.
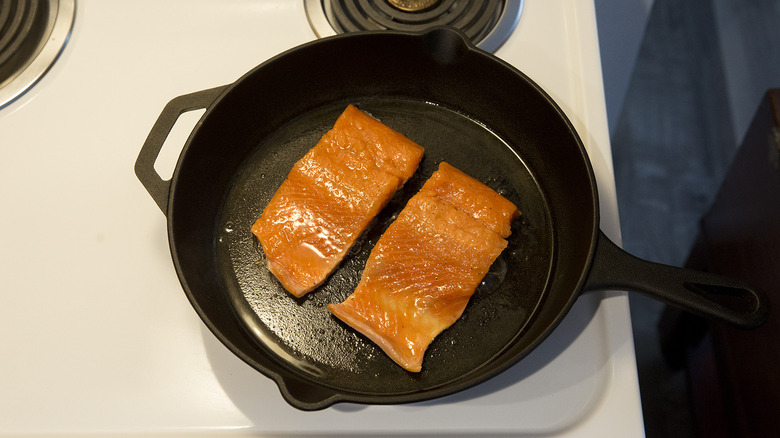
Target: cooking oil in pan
(305, 332)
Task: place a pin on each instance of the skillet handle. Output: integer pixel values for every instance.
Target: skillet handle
(157, 187)
(704, 294)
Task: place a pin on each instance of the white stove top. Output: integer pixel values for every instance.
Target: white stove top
(98, 336)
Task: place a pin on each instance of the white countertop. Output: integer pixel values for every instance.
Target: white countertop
(98, 336)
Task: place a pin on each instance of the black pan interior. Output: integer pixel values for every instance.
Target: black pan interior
(310, 338)
(464, 107)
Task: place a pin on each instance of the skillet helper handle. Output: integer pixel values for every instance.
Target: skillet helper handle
(705, 294)
(157, 187)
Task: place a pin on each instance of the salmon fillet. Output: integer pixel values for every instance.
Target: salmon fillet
(330, 196)
(426, 266)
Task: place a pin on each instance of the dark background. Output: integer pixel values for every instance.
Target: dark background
(672, 144)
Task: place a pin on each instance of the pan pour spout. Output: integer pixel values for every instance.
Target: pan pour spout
(446, 45)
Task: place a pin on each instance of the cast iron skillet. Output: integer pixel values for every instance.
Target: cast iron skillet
(463, 106)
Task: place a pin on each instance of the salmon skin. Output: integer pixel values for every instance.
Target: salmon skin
(330, 197)
(426, 266)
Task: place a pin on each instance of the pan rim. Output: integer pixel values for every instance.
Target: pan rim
(357, 396)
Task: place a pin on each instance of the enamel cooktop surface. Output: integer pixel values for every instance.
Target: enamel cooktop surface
(98, 335)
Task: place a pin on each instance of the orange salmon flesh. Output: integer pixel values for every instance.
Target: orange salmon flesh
(426, 266)
(330, 196)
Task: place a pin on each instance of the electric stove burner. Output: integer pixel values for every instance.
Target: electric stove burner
(488, 23)
(32, 35)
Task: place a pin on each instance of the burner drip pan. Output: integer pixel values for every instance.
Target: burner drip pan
(486, 22)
